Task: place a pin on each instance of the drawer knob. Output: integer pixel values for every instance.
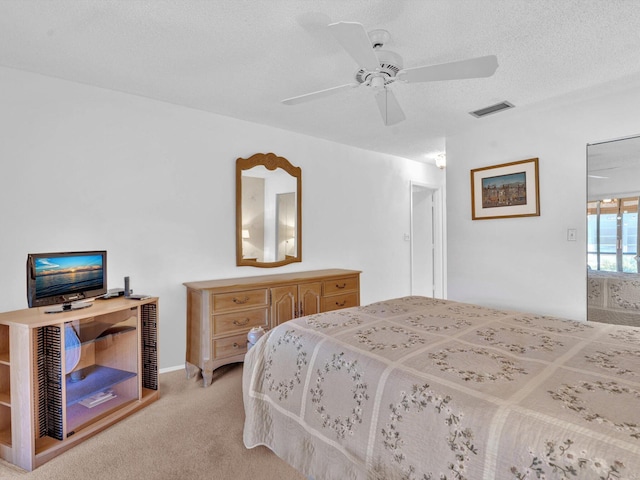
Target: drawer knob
(241, 323)
(341, 286)
(235, 345)
(341, 304)
(240, 301)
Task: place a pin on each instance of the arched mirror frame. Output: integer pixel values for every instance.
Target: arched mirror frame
(271, 162)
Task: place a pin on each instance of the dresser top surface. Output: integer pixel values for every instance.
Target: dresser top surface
(292, 277)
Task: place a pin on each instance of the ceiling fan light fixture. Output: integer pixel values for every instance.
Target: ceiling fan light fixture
(378, 38)
(377, 81)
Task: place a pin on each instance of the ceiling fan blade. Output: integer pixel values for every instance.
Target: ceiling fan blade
(319, 94)
(389, 107)
(472, 68)
(355, 40)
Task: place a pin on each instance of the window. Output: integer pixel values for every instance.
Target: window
(612, 233)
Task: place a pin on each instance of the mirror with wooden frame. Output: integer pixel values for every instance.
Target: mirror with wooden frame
(268, 211)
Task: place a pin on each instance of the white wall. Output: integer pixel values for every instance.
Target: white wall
(154, 184)
(527, 263)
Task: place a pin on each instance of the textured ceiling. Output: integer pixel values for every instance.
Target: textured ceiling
(241, 58)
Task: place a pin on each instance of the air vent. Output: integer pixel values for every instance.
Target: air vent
(498, 107)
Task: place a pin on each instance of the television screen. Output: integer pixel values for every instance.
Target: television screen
(62, 278)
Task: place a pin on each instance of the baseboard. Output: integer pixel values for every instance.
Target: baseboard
(171, 369)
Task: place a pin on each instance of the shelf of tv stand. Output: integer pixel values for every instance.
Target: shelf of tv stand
(97, 378)
(96, 331)
(79, 416)
(5, 420)
(5, 437)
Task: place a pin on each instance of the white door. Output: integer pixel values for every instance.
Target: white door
(426, 248)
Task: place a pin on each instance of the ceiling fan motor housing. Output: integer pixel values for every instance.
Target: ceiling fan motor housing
(390, 65)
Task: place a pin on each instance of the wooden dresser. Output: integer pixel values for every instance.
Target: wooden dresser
(220, 313)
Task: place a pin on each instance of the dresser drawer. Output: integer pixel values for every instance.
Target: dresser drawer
(240, 321)
(339, 285)
(230, 346)
(336, 302)
(239, 300)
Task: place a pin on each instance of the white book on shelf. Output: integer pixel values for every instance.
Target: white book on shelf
(98, 398)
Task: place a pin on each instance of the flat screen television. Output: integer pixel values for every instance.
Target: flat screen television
(64, 279)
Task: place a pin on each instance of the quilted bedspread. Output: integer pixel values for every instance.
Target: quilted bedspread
(421, 388)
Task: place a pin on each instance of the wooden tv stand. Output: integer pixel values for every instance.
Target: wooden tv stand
(66, 376)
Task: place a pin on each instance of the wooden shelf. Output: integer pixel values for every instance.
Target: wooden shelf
(79, 416)
(5, 385)
(4, 345)
(5, 423)
(5, 437)
(44, 444)
(96, 331)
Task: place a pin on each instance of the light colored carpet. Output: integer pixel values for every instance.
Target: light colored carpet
(189, 433)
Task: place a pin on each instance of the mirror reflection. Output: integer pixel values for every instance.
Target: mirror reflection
(613, 194)
(268, 211)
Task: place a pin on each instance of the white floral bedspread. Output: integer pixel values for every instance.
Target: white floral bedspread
(421, 388)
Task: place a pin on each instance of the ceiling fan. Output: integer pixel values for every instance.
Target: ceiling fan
(379, 68)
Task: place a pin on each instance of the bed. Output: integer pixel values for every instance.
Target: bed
(421, 388)
(614, 297)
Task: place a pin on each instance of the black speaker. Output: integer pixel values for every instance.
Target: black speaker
(127, 292)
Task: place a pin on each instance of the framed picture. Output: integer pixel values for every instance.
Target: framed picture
(507, 190)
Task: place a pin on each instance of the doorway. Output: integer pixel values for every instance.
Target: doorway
(285, 225)
(427, 272)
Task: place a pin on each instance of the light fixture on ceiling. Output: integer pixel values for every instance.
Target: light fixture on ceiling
(441, 160)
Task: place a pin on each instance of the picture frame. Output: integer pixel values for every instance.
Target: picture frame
(506, 190)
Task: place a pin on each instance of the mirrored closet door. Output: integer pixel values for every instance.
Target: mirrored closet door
(613, 195)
